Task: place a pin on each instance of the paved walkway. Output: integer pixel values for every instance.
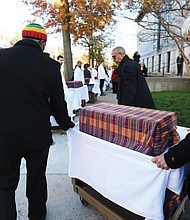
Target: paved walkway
(63, 203)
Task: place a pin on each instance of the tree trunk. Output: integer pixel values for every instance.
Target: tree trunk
(68, 61)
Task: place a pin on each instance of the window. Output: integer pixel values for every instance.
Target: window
(159, 62)
(168, 61)
(153, 64)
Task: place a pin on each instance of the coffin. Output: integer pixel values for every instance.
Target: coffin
(74, 84)
(144, 130)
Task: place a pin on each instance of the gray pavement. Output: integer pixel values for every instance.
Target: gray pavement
(63, 203)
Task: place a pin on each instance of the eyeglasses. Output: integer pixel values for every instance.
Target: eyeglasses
(113, 57)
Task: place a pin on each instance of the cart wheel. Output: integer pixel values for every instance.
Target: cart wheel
(83, 201)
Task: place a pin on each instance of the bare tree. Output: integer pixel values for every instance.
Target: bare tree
(161, 21)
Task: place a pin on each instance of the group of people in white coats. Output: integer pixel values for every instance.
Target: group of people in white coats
(96, 73)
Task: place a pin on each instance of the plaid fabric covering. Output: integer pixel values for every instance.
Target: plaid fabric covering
(145, 130)
(74, 84)
(172, 202)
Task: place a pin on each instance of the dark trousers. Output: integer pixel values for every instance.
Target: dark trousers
(101, 85)
(179, 69)
(115, 87)
(36, 185)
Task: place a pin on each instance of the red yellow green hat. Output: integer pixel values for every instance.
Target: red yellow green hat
(34, 31)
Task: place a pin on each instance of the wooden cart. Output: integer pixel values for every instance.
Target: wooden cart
(109, 209)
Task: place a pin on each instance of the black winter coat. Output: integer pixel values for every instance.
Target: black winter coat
(178, 155)
(133, 89)
(30, 91)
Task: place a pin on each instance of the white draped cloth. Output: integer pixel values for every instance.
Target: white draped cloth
(71, 98)
(106, 82)
(125, 177)
(95, 81)
(83, 93)
(96, 86)
(80, 94)
(94, 73)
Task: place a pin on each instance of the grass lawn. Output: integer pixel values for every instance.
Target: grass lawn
(178, 102)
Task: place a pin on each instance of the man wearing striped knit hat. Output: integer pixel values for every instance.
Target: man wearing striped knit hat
(30, 91)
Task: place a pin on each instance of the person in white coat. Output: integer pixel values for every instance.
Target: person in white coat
(94, 73)
(60, 59)
(101, 76)
(78, 72)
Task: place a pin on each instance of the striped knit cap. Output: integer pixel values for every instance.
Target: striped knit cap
(34, 31)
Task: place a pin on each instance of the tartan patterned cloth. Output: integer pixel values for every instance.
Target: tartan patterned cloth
(144, 130)
(172, 202)
(74, 84)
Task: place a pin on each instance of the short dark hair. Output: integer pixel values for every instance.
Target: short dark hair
(60, 56)
(86, 65)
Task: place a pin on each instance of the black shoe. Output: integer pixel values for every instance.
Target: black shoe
(83, 102)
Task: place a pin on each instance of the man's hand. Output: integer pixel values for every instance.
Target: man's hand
(160, 162)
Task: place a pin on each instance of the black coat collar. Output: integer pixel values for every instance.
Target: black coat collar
(29, 43)
(124, 60)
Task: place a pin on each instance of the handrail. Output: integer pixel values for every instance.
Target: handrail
(159, 68)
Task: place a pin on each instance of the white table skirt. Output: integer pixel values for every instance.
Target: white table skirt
(125, 177)
(83, 93)
(73, 102)
(96, 86)
(73, 97)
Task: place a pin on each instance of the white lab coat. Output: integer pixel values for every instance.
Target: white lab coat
(79, 74)
(101, 72)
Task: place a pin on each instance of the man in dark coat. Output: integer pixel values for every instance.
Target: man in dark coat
(144, 69)
(136, 57)
(30, 91)
(179, 62)
(133, 89)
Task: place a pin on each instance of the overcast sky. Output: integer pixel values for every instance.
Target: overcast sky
(14, 16)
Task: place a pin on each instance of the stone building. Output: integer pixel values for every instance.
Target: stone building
(157, 49)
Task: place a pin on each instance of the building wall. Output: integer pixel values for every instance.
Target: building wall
(158, 84)
(159, 61)
(162, 62)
